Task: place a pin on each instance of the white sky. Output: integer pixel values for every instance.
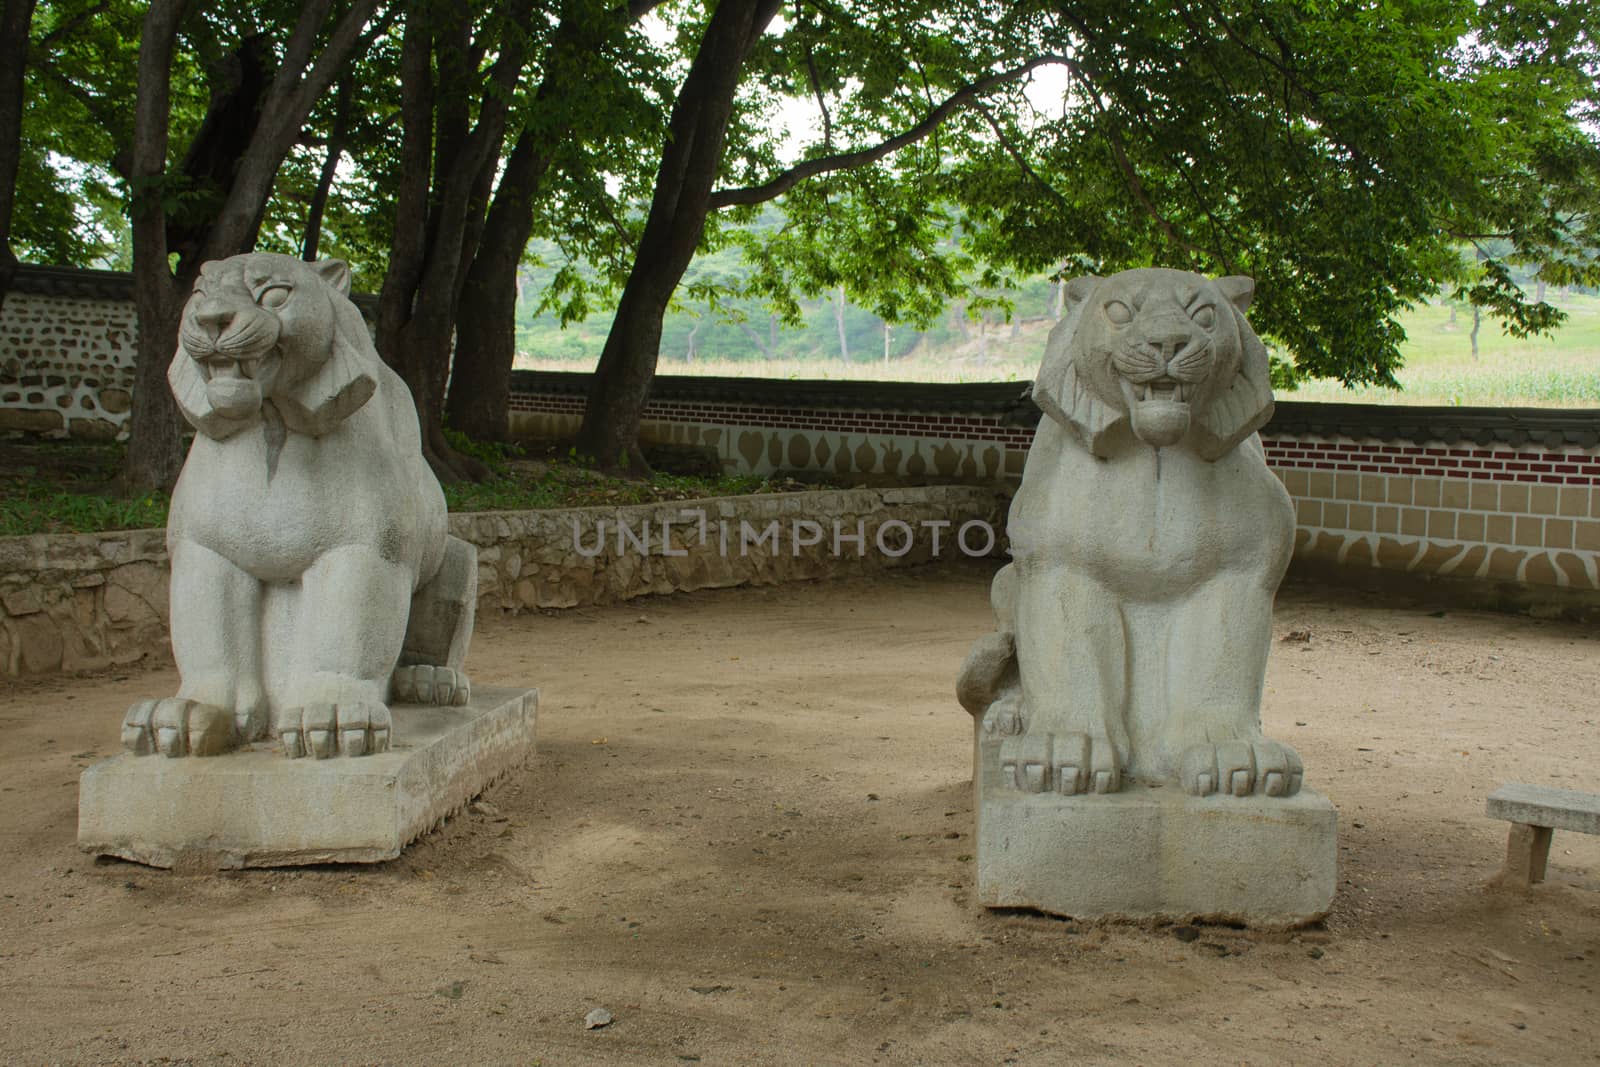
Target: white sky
(800, 121)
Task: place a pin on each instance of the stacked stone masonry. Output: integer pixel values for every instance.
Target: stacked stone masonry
(66, 365)
(84, 601)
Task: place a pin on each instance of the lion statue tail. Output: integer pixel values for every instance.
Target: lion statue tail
(438, 632)
(990, 665)
(990, 685)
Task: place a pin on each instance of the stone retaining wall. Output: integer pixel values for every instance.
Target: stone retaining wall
(80, 601)
(73, 602)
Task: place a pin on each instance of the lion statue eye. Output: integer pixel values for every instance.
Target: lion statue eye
(274, 296)
(1119, 313)
(1205, 316)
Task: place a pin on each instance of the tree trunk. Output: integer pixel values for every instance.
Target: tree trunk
(762, 346)
(245, 170)
(689, 349)
(486, 319)
(1477, 321)
(154, 445)
(678, 209)
(155, 440)
(446, 172)
(486, 323)
(15, 18)
(330, 167)
(886, 332)
(838, 324)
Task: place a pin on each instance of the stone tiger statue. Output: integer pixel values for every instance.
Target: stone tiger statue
(1148, 539)
(313, 579)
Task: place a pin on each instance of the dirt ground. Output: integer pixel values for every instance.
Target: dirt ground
(747, 833)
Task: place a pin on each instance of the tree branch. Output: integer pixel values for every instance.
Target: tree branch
(1131, 178)
(810, 168)
(340, 50)
(822, 101)
(297, 51)
(148, 162)
(283, 113)
(110, 119)
(70, 26)
(1017, 156)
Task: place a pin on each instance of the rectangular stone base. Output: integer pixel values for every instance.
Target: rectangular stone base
(256, 808)
(1154, 853)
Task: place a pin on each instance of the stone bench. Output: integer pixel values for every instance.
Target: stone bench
(1535, 812)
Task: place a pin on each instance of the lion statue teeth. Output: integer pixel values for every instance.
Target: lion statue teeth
(313, 579)
(1148, 539)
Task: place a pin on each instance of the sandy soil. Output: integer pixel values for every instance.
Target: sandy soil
(747, 833)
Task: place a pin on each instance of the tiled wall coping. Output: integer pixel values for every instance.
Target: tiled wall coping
(1007, 405)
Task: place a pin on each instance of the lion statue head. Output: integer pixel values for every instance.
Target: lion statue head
(1165, 354)
(266, 329)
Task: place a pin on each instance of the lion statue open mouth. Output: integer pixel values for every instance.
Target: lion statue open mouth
(1148, 539)
(312, 575)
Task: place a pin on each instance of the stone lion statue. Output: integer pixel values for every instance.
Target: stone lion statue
(1148, 539)
(307, 534)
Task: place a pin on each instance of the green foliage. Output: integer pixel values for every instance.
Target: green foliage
(571, 484)
(62, 487)
(77, 117)
(1340, 154)
(38, 508)
(492, 454)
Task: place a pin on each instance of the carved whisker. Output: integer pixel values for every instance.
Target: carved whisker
(1139, 365)
(1194, 364)
(252, 335)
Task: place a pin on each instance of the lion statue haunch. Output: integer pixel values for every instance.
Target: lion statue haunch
(1148, 539)
(312, 576)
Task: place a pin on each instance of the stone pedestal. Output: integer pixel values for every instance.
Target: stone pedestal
(1154, 853)
(255, 808)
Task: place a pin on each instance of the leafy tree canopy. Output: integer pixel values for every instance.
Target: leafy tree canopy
(1342, 153)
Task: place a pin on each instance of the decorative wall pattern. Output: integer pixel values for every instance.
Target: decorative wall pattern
(66, 362)
(1529, 515)
(763, 439)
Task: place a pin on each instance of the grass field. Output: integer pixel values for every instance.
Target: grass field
(1559, 371)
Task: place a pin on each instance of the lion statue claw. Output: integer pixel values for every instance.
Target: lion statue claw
(313, 578)
(1148, 539)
